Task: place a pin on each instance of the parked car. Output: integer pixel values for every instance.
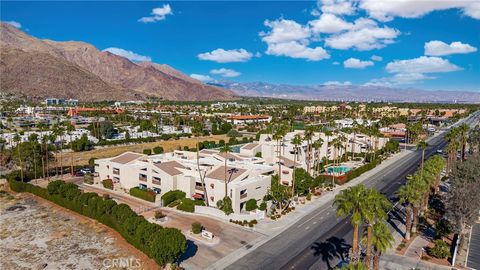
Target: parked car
(79, 173)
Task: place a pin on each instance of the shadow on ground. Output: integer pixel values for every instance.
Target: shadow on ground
(332, 248)
(190, 252)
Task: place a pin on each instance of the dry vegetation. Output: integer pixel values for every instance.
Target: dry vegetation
(81, 158)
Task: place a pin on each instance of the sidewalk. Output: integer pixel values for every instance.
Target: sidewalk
(397, 262)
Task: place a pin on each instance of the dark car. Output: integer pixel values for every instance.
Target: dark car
(79, 173)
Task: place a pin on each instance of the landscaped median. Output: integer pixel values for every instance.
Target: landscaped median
(164, 245)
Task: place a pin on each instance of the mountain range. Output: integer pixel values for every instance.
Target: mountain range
(348, 93)
(43, 68)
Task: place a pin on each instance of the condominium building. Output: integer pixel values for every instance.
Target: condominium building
(246, 177)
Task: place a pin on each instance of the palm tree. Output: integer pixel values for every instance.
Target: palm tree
(296, 141)
(317, 145)
(337, 145)
(60, 132)
(226, 149)
(381, 241)
(452, 147)
(17, 139)
(328, 134)
(197, 131)
(422, 145)
(463, 130)
(355, 266)
(377, 208)
(408, 195)
(33, 138)
(355, 129)
(352, 202)
(307, 136)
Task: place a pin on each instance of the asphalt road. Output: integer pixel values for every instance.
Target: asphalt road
(474, 249)
(320, 240)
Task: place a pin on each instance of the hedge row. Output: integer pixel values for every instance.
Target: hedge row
(164, 245)
(172, 196)
(145, 194)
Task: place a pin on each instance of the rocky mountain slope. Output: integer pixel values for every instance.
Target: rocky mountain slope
(122, 79)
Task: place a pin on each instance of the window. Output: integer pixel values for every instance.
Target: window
(116, 171)
(157, 180)
(142, 177)
(243, 194)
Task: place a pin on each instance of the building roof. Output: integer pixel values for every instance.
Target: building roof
(250, 146)
(219, 173)
(230, 156)
(170, 167)
(288, 162)
(209, 152)
(126, 157)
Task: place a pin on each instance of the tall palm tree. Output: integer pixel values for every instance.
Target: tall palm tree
(60, 132)
(17, 139)
(352, 202)
(307, 136)
(463, 130)
(317, 145)
(328, 134)
(197, 131)
(422, 145)
(382, 239)
(226, 149)
(296, 141)
(376, 211)
(408, 195)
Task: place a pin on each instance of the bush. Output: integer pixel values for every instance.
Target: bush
(441, 250)
(158, 150)
(309, 196)
(147, 151)
(225, 205)
(164, 245)
(251, 205)
(443, 228)
(187, 205)
(258, 155)
(107, 183)
(88, 179)
(145, 194)
(197, 227)
(233, 134)
(263, 206)
(172, 196)
(159, 214)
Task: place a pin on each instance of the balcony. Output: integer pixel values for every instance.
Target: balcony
(156, 182)
(243, 196)
(199, 187)
(142, 178)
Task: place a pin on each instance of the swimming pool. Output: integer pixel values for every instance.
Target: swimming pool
(338, 169)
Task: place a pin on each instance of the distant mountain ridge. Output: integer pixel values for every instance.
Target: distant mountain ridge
(348, 93)
(92, 75)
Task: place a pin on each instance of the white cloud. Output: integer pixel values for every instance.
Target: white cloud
(364, 35)
(128, 54)
(226, 56)
(225, 72)
(423, 64)
(356, 63)
(291, 39)
(14, 23)
(341, 7)
(284, 31)
(376, 58)
(387, 10)
(439, 48)
(399, 79)
(329, 23)
(337, 83)
(336, 63)
(203, 78)
(158, 14)
(295, 49)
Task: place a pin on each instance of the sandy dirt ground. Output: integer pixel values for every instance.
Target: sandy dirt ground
(37, 234)
(81, 158)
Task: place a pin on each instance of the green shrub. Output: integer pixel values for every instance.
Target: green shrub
(443, 228)
(441, 250)
(197, 227)
(145, 194)
(172, 196)
(159, 214)
(251, 205)
(88, 179)
(158, 150)
(187, 205)
(225, 205)
(309, 196)
(263, 206)
(259, 154)
(147, 151)
(164, 245)
(107, 183)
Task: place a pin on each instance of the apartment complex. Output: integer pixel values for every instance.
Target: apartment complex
(246, 177)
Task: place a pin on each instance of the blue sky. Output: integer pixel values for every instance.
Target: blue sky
(432, 46)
